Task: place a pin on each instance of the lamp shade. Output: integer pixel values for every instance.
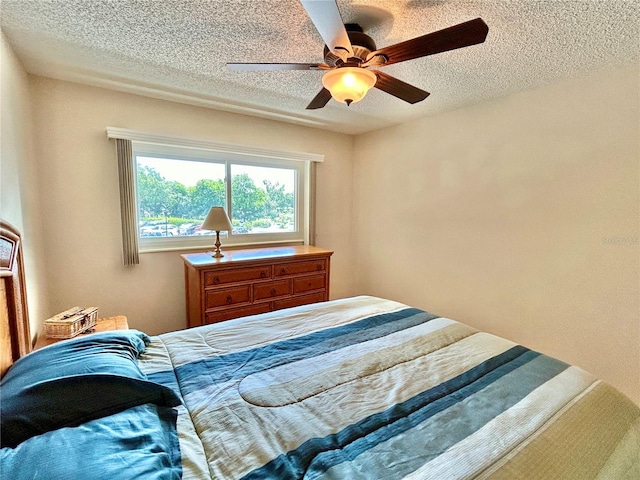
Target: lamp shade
(217, 220)
(349, 84)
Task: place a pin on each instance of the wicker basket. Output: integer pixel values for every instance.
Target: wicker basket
(71, 322)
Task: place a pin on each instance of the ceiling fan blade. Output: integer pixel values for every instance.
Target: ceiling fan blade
(320, 100)
(457, 36)
(399, 89)
(276, 66)
(326, 17)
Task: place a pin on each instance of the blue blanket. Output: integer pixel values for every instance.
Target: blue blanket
(369, 388)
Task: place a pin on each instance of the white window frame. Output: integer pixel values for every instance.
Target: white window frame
(149, 145)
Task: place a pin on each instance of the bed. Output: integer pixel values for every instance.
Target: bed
(356, 388)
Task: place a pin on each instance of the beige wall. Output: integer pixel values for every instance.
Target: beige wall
(519, 216)
(19, 201)
(81, 209)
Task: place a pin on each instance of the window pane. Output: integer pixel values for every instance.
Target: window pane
(262, 199)
(175, 195)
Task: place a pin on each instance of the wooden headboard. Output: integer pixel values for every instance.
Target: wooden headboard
(15, 338)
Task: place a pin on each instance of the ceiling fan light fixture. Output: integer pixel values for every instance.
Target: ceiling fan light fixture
(349, 84)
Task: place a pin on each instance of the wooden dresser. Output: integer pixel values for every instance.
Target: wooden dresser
(247, 282)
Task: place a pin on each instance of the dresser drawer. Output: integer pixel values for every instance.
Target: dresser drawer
(227, 296)
(284, 269)
(228, 314)
(271, 290)
(306, 284)
(297, 301)
(238, 275)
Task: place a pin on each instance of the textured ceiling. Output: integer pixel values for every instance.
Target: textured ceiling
(178, 49)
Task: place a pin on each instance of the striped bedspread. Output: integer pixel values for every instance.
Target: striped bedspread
(367, 388)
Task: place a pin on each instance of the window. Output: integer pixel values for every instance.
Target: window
(168, 184)
(266, 198)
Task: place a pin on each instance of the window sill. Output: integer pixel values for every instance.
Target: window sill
(235, 246)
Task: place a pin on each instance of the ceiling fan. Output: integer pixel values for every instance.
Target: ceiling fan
(349, 53)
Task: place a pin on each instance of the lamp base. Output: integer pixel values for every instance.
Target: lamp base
(217, 253)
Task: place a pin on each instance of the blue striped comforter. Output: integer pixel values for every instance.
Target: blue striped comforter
(366, 388)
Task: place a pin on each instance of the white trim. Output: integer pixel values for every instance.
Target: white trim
(218, 147)
(224, 247)
(165, 244)
(160, 149)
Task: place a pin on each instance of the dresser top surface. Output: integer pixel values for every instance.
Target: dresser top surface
(204, 259)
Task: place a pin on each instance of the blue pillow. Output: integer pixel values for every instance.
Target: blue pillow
(138, 443)
(71, 382)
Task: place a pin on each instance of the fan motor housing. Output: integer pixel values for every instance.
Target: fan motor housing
(361, 43)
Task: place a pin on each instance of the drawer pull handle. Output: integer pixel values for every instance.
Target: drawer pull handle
(229, 299)
(273, 291)
(319, 267)
(263, 274)
(216, 279)
(282, 271)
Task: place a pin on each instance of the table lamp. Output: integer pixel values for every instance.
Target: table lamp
(218, 221)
